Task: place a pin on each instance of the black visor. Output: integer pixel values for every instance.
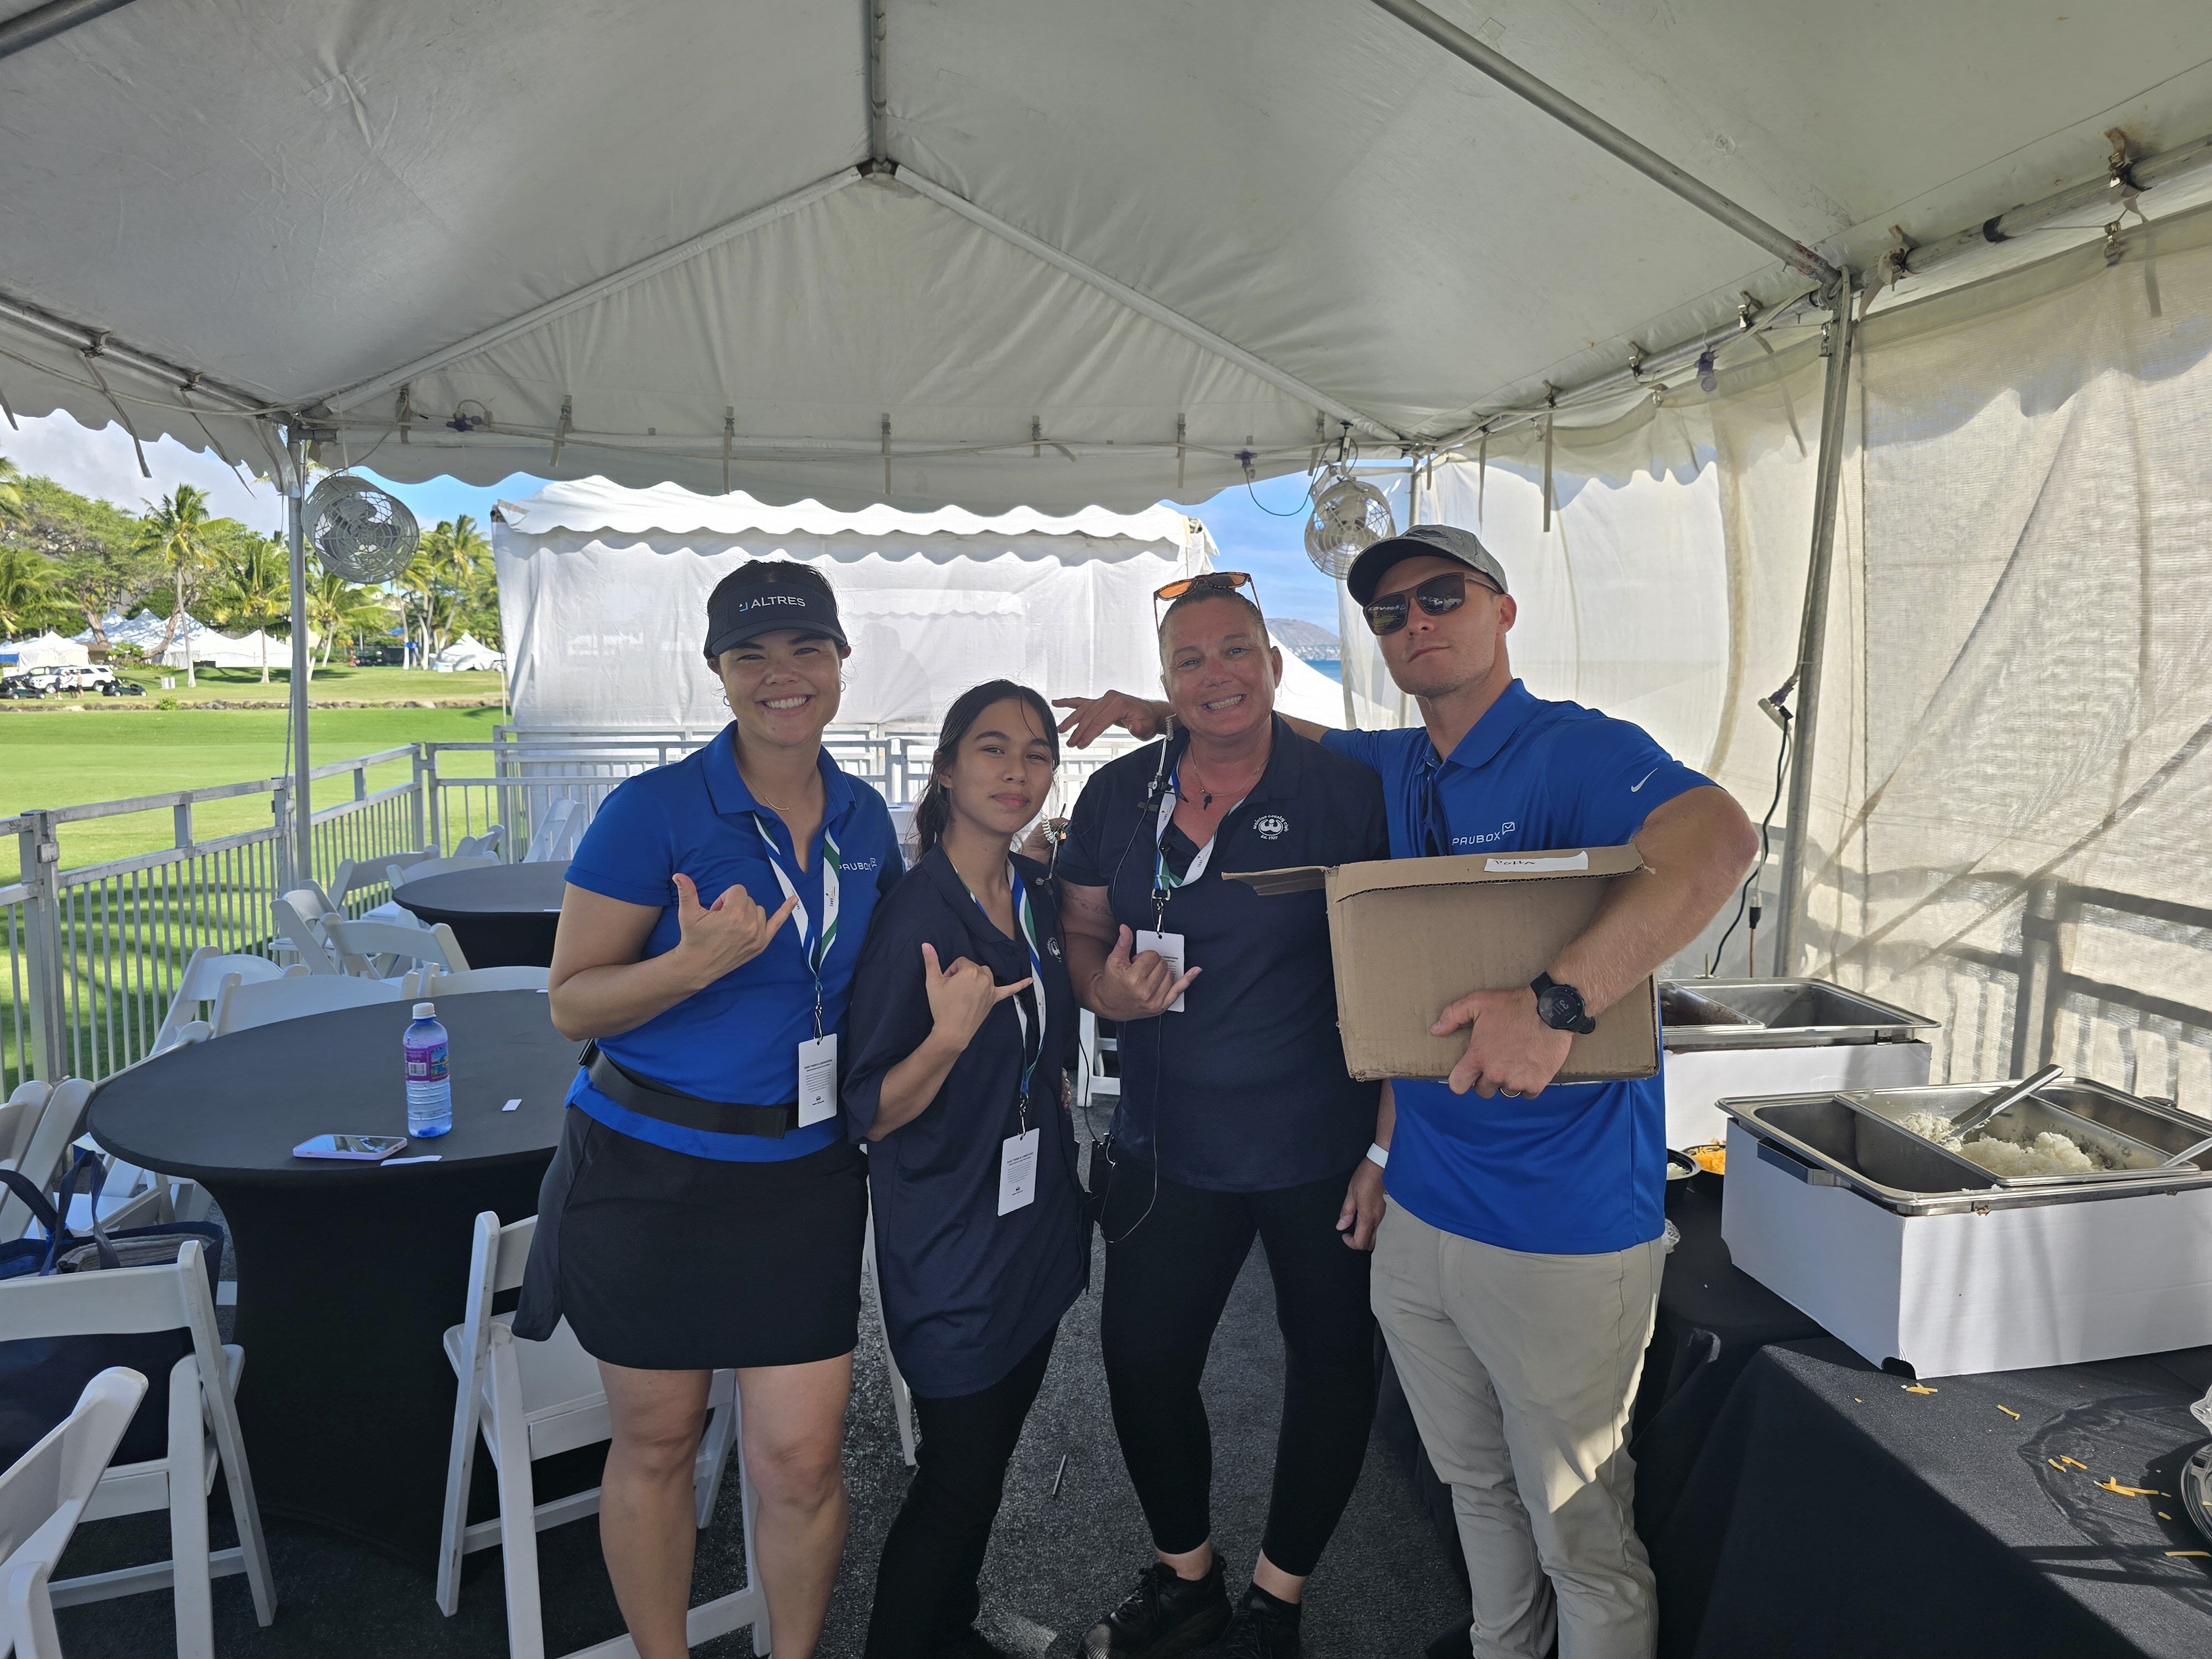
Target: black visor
(767, 597)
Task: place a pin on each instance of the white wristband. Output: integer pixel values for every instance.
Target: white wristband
(1379, 1154)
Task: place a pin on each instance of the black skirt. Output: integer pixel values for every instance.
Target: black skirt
(661, 1261)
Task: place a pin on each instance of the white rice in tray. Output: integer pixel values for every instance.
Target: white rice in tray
(2049, 1154)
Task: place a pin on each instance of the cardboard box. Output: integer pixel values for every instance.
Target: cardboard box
(1411, 935)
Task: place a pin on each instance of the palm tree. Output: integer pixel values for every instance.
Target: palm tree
(13, 509)
(252, 584)
(450, 567)
(27, 601)
(174, 531)
(336, 606)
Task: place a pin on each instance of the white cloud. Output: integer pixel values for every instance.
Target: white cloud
(102, 464)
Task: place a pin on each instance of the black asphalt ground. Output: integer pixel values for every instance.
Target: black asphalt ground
(1382, 1589)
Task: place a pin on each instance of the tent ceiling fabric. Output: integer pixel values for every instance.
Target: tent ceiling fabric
(297, 199)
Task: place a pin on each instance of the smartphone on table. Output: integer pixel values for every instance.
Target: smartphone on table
(364, 1149)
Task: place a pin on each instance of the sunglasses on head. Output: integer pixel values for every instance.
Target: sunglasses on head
(1437, 597)
(1212, 581)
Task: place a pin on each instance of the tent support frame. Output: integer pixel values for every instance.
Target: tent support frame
(1144, 305)
(26, 29)
(1609, 137)
(296, 485)
(1813, 631)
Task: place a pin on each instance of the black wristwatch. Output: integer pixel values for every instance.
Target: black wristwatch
(1560, 1006)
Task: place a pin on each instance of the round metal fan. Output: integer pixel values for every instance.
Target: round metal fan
(363, 533)
(1348, 518)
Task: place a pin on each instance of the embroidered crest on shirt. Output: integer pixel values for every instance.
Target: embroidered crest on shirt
(1053, 946)
(1274, 827)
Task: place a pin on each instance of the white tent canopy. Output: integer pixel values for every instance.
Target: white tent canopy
(1063, 256)
(602, 591)
(48, 650)
(468, 653)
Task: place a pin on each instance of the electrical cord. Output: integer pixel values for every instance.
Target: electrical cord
(1766, 834)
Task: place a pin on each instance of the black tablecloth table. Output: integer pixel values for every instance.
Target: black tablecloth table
(504, 915)
(1835, 1512)
(1712, 1318)
(348, 1273)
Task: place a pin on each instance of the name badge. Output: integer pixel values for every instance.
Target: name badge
(1018, 1161)
(818, 1080)
(1169, 946)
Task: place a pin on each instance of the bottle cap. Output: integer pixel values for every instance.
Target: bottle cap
(426, 1011)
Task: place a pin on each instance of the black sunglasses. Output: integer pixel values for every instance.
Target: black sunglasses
(1438, 596)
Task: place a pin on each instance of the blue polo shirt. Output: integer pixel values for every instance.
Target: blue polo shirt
(1576, 1169)
(1246, 1090)
(738, 1039)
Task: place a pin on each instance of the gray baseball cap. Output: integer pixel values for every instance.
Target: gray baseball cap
(1436, 541)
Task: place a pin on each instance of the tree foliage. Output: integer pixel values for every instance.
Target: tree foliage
(97, 564)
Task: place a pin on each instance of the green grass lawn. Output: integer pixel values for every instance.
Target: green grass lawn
(54, 758)
(337, 683)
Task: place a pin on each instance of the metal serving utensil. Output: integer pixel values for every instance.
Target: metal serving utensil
(2188, 1154)
(1990, 1105)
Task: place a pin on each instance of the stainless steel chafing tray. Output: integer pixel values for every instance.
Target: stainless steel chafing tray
(1778, 1013)
(1855, 1141)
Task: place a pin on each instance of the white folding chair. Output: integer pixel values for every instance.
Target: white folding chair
(242, 1006)
(47, 1155)
(1092, 1079)
(43, 1496)
(384, 950)
(299, 916)
(201, 984)
(19, 1117)
(489, 844)
(534, 1400)
(428, 981)
(901, 1396)
(552, 834)
(203, 1437)
(354, 876)
(400, 878)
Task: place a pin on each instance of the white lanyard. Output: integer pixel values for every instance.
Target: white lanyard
(818, 953)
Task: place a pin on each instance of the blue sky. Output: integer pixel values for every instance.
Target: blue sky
(1247, 532)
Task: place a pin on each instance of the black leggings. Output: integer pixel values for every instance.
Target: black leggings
(926, 1588)
(1167, 1282)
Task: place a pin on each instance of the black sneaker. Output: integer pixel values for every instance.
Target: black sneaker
(1163, 1616)
(1261, 1628)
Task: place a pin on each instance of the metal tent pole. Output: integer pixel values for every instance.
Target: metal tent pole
(296, 486)
(1607, 136)
(1813, 631)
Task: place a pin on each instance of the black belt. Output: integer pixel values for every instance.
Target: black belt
(686, 1111)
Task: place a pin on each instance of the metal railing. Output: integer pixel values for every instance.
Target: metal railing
(96, 952)
(2052, 987)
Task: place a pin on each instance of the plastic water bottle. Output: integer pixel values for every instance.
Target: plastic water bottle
(429, 1090)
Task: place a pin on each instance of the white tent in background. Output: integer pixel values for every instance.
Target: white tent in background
(602, 591)
(466, 653)
(48, 650)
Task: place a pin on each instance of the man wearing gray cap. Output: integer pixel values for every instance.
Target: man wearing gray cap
(1516, 1268)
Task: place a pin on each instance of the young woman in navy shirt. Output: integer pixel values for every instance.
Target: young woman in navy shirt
(704, 1210)
(963, 1024)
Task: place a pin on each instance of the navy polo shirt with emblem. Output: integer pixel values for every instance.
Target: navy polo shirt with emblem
(1576, 1169)
(738, 1040)
(1246, 1090)
(967, 1292)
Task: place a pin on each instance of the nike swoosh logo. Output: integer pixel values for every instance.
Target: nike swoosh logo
(1641, 782)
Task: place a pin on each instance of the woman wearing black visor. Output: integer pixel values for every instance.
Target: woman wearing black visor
(963, 1024)
(1237, 1118)
(704, 1209)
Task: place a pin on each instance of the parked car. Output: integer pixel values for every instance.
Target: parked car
(115, 688)
(19, 687)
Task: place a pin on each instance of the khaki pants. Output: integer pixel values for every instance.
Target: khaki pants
(1520, 1369)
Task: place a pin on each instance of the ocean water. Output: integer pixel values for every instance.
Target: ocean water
(1330, 666)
